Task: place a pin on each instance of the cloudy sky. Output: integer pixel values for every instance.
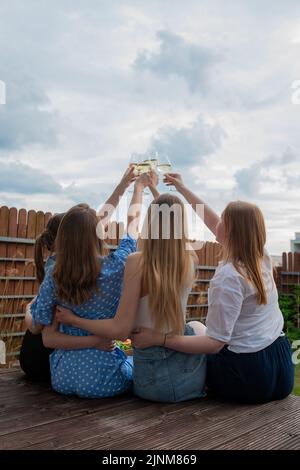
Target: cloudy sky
(206, 81)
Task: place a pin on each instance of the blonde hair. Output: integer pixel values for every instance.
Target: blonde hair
(245, 238)
(166, 262)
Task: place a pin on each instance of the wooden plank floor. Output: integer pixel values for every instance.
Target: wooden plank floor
(34, 417)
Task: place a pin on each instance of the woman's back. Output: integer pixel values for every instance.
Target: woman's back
(161, 374)
(144, 318)
(88, 372)
(246, 325)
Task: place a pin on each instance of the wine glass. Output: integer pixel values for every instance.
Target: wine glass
(143, 166)
(152, 160)
(134, 159)
(164, 166)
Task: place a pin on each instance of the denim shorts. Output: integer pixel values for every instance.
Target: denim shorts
(163, 375)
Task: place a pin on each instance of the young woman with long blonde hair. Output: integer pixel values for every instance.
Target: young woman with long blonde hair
(157, 283)
(249, 357)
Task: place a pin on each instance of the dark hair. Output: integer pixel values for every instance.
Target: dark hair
(77, 255)
(46, 240)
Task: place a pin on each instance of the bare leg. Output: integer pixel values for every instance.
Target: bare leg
(198, 327)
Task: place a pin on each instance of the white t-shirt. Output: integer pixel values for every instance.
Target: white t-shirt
(234, 316)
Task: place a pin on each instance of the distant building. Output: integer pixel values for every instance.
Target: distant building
(295, 244)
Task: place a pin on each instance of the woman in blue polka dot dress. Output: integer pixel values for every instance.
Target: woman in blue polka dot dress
(91, 286)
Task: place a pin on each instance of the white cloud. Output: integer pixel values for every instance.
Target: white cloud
(77, 107)
(190, 144)
(176, 57)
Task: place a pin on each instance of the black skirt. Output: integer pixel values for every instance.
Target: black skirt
(34, 357)
(257, 377)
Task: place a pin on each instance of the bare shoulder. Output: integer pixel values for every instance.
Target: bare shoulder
(133, 261)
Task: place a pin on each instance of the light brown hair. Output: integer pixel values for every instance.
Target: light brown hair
(45, 240)
(77, 255)
(245, 238)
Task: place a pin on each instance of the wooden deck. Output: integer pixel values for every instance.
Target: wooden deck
(34, 417)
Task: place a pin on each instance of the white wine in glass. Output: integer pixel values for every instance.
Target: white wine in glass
(144, 167)
(164, 166)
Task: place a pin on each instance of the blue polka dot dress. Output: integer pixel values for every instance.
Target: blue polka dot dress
(89, 373)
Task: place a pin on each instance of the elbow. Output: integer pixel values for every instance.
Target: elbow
(216, 346)
(216, 349)
(35, 330)
(47, 340)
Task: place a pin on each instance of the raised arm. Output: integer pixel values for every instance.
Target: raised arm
(153, 184)
(208, 215)
(135, 207)
(121, 326)
(112, 202)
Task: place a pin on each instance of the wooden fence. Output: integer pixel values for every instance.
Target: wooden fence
(290, 272)
(18, 284)
(290, 278)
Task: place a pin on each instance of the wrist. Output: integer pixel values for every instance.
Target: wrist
(121, 188)
(138, 186)
(161, 340)
(77, 322)
(180, 187)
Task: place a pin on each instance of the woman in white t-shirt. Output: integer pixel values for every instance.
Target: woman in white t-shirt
(249, 356)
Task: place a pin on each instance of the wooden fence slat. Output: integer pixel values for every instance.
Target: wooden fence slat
(22, 229)
(290, 262)
(12, 288)
(4, 222)
(48, 216)
(40, 223)
(29, 269)
(13, 222)
(12, 247)
(31, 224)
(297, 262)
(284, 262)
(22, 223)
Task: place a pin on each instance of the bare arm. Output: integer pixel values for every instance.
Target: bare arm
(121, 326)
(52, 338)
(187, 344)
(209, 216)
(112, 202)
(194, 344)
(35, 330)
(153, 184)
(135, 207)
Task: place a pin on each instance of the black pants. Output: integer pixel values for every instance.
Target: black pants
(257, 377)
(34, 357)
